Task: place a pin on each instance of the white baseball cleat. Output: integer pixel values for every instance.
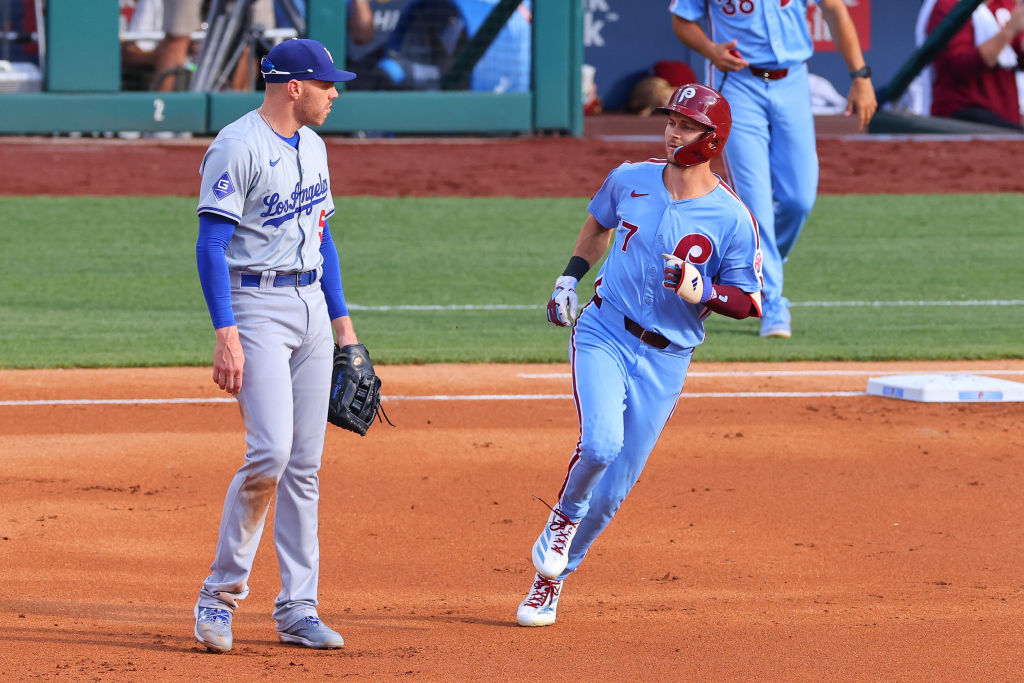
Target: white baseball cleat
(551, 551)
(540, 605)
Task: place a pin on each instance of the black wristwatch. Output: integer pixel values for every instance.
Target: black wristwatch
(863, 72)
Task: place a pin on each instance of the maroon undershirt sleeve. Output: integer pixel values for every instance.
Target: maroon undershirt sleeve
(733, 302)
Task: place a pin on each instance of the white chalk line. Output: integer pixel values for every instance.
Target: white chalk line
(114, 401)
(801, 373)
(555, 397)
(436, 397)
(876, 304)
(793, 304)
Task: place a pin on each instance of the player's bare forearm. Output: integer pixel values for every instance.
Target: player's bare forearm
(228, 359)
(591, 243)
(861, 99)
(692, 35)
(593, 240)
(990, 49)
(361, 28)
(724, 56)
(344, 331)
(1010, 32)
(844, 32)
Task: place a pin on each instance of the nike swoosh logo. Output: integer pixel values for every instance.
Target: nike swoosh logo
(275, 161)
(634, 193)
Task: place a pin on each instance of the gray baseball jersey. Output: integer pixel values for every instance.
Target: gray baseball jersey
(279, 196)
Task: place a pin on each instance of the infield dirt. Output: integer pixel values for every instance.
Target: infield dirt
(800, 538)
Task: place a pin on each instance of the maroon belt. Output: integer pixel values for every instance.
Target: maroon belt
(646, 336)
(769, 74)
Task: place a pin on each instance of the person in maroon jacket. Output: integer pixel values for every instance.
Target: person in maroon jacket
(975, 73)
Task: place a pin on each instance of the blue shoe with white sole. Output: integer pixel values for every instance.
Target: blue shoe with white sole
(775, 319)
(313, 633)
(213, 628)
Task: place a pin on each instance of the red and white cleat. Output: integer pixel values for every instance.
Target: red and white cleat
(551, 551)
(541, 604)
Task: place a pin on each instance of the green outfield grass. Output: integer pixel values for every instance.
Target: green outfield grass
(112, 281)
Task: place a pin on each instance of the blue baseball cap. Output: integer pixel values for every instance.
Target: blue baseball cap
(301, 59)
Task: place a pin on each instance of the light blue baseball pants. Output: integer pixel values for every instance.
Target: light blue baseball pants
(772, 160)
(625, 391)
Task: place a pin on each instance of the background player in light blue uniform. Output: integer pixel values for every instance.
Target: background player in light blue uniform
(631, 346)
(270, 275)
(756, 55)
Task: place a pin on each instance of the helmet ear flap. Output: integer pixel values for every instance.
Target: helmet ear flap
(704, 148)
(711, 146)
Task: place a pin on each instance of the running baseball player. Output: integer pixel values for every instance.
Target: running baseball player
(271, 277)
(756, 56)
(682, 245)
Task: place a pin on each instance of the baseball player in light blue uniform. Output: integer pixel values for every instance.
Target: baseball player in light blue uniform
(682, 245)
(270, 274)
(756, 56)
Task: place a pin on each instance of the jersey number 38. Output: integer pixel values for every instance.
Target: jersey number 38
(730, 7)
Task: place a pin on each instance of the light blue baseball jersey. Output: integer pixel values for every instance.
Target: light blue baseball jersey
(771, 33)
(715, 232)
(280, 196)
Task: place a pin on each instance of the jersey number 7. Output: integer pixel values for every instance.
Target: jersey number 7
(631, 230)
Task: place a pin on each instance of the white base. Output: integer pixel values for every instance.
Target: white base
(946, 388)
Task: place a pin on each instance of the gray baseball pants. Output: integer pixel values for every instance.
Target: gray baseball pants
(289, 350)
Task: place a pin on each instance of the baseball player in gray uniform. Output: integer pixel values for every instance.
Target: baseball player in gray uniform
(270, 275)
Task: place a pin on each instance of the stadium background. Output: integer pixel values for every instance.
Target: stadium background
(85, 60)
(787, 527)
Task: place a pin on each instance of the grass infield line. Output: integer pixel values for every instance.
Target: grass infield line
(129, 299)
(796, 304)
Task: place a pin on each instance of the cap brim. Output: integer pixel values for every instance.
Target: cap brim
(334, 76)
(330, 76)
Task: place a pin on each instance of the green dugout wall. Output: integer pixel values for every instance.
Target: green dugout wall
(83, 76)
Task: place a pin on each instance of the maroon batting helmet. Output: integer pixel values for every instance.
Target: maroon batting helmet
(707, 107)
